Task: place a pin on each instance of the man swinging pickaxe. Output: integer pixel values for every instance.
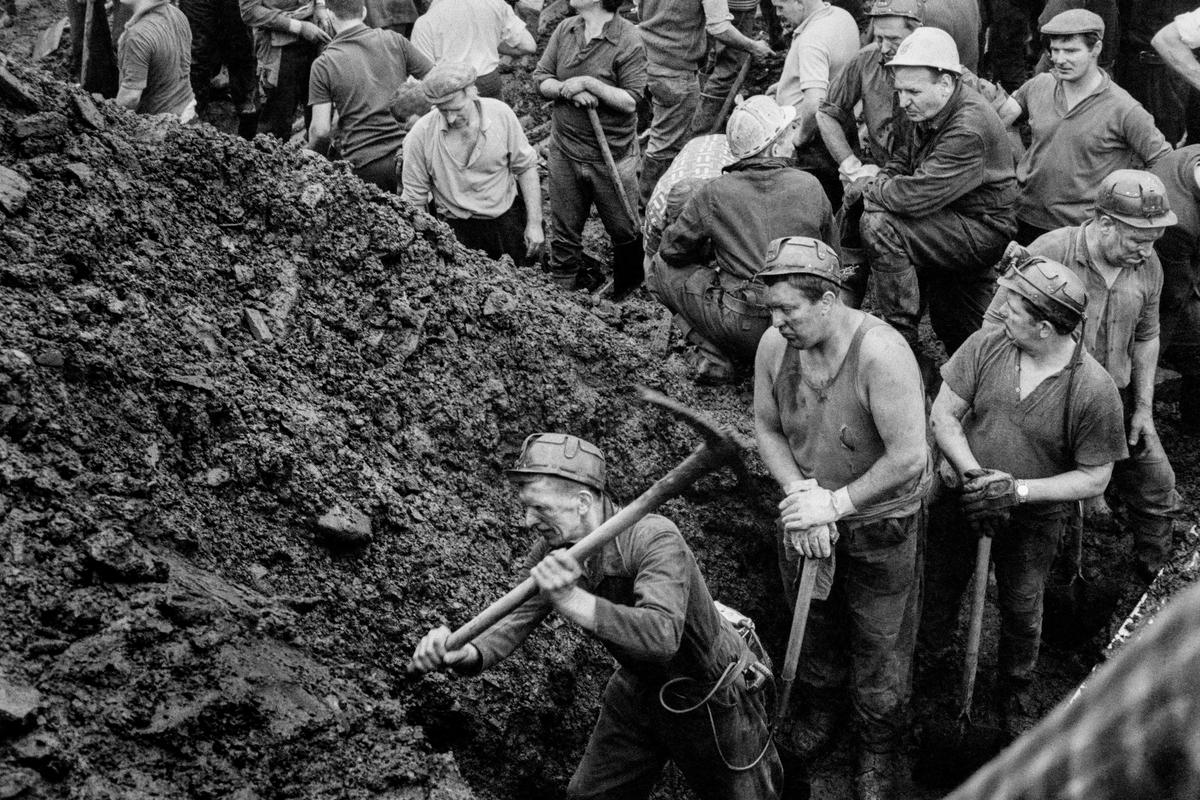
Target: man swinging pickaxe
(686, 689)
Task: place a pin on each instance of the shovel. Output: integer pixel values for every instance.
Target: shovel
(949, 756)
(1074, 613)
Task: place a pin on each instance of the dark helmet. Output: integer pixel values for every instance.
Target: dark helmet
(1051, 287)
(562, 455)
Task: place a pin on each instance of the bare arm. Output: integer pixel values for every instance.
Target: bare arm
(897, 402)
(1178, 55)
(129, 98)
(1145, 362)
(834, 138)
(320, 127)
(806, 113)
(1010, 112)
(773, 445)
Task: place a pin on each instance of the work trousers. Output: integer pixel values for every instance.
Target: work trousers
(942, 261)
(723, 316)
(220, 37)
(1173, 103)
(1179, 314)
(575, 187)
(383, 172)
(1145, 483)
(674, 97)
(279, 102)
(863, 635)
(635, 737)
(497, 236)
(726, 63)
(1022, 552)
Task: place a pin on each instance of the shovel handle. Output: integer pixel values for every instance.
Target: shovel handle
(804, 594)
(983, 556)
(719, 123)
(613, 174)
(703, 459)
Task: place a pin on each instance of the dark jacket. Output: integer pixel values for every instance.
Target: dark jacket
(732, 219)
(960, 161)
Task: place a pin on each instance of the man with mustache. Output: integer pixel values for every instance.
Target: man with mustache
(1113, 254)
(470, 154)
(1083, 127)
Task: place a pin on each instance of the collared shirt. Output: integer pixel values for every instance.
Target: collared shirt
(1073, 150)
(960, 160)
(617, 58)
(823, 43)
(155, 56)
(654, 613)
(483, 188)
(470, 31)
(1117, 317)
(786, 202)
(1024, 436)
(358, 72)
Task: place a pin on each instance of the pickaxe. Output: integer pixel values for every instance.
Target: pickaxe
(721, 447)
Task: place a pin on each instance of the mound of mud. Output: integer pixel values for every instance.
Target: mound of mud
(253, 421)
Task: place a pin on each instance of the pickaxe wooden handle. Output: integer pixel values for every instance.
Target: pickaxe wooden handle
(804, 596)
(721, 447)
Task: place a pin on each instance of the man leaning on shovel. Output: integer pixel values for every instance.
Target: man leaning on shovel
(684, 690)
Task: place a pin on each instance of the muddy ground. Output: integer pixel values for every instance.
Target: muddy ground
(254, 422)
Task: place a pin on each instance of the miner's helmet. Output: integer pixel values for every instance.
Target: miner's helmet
(911, 9)
(1135, 197)
(800, 255)
(755, 124)
(561, 455)
(928, 47)
(1053, 289)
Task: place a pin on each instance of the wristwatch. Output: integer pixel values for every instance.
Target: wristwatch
(1022, 491)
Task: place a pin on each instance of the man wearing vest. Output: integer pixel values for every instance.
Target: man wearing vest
(840, 421)
(1028, 422)
(1113, 255)
(685, 689)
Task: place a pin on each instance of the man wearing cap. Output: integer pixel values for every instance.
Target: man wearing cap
(708, 257)
(357, 74)
(686, 688)
(471, 155)
(593, 63)
(1179, 252)
(1083, 126)
(674, 34)
(840, 421)
(476, 33)
(1028, 422)
(1113, 255)
(939, 213)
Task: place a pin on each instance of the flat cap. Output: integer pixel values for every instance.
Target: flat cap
(1077, 20)
(445, 79)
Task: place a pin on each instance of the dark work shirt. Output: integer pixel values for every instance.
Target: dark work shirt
(653, 610)
(616, 58)
(960, 160)
(358, 72)
(1179, 247)
(733, 218)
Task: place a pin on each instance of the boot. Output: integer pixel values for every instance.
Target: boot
(1014, 710)
(1152, 544)
(247, 124)
(875, 776)
(627, 269)
(811, 734)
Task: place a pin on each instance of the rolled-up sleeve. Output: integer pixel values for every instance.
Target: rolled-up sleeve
(717, 17)
(1188, 26)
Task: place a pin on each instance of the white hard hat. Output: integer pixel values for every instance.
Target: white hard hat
(755, 123)
(928, 47)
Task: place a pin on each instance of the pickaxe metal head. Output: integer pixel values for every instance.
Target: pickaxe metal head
(719, 438)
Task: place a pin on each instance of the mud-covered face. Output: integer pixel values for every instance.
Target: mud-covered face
(1071, 59)
(458, 109)
(1124, 245)
(888, 33)
(799, 320)
(555, 510)
(921, 92)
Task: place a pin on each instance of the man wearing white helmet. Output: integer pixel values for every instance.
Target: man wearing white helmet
(688, 686)
(708, 257)
(940, 212)
(1028, 422)
(840, 423)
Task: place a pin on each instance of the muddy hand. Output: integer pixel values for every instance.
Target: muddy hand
(431, 653)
